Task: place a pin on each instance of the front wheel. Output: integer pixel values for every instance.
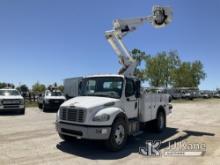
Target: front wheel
(118, 136)
(21, 111)
(40, 106)
(44, 108)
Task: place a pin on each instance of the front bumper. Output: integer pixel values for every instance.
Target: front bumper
(84, 132)
(52, 105)
(11, 107)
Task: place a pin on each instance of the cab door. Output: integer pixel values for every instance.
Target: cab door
(130, 101)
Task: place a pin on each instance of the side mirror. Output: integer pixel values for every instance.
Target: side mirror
(170, 99)
(137, 89)
(80, 88)
(80, 85)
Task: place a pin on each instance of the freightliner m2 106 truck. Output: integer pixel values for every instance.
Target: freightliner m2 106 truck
(112, 107)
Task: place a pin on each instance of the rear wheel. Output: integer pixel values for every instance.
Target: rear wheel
(160, 122)
(118, 136)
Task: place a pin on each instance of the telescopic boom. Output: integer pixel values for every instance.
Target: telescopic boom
(161, 16)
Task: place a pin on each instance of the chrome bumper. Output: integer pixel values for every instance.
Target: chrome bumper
(84, 132)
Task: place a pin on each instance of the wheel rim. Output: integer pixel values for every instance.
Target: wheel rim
(119, 134)
(161, 121)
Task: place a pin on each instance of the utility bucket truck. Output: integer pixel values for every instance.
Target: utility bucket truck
(112, 107)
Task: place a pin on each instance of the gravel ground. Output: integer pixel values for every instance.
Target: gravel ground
(32, 139)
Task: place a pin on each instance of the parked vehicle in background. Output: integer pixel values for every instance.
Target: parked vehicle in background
(11, 100)
(217, 94)
(50, 100)
(196, 94)
(187, 95)
(174, 93)
(71, 87)
(206, 94)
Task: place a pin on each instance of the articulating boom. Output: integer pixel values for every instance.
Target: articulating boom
(161, 16)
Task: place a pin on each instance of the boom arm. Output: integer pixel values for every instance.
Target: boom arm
(160, 18)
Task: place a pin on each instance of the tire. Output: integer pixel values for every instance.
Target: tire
(44, 108)
(21, 112)
(40, 106)
(118, 135)
(67, 138)
(160, 122)
(191, 98)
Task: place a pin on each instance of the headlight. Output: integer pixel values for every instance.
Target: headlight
(102, 117)
(46, 101)
(58, 115)
(22, 102)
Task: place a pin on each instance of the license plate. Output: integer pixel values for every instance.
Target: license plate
(11, 102)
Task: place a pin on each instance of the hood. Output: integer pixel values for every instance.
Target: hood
(88, 101)
(11, 97)
(55, 97)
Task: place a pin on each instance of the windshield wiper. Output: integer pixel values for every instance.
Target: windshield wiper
(105, 95)
(100, 95)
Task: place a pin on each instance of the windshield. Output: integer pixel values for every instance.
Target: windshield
(9, 93)
(102, 86)
(54, 93)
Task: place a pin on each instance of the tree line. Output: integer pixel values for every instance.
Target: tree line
(36, 88)
(166, 69)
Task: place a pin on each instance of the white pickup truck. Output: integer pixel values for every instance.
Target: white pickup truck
(11, 100)
(50, 100)
(110, 108)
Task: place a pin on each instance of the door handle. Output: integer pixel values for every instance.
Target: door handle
(136, 104)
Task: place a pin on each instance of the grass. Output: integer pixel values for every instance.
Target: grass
(31, 104)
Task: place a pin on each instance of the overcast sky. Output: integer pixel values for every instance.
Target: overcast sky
(50, 40)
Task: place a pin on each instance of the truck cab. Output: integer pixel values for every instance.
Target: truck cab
(11, 100)
(50, 100)
(110, 108)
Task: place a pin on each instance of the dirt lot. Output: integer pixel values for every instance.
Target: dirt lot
(32, 139)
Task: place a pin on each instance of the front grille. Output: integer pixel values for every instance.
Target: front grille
(11, 106)
(72, 114)
(11, 102)
(56, 101)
